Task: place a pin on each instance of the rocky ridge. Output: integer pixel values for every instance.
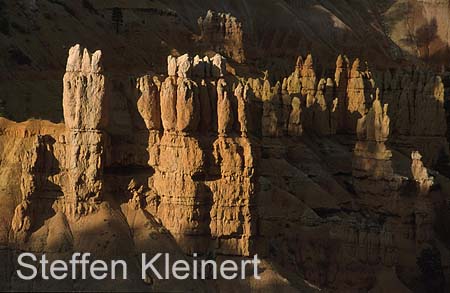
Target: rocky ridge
(224, 165)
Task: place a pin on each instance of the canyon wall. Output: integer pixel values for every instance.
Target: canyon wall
(328, 178)
(262, 34)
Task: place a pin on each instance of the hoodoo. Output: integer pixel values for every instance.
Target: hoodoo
(209, 146)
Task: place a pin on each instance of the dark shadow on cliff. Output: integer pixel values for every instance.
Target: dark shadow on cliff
(129, 157)
(129, 50)
(46, 192)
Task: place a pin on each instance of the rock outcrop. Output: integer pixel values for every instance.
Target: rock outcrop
(223, 33)
(414, 100)
(336, 187)
(188, 106)
(218, 66)
(372, 158)
(171, 65)
(416, 103)
(420, 174)
(225, 118)
(295, 127)
(168, 104)
(31, 185)
(148, 103)
(184, 64)
(85, 104)
(309, 172)
(385, 187)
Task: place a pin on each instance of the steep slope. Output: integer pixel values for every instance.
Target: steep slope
(326, 172)
(36, 35)
(311, 174)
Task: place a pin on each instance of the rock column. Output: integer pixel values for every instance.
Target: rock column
(85, 116)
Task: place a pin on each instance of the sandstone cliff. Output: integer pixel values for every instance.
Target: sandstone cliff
(224, 33)
(36, 35)
(319, 175)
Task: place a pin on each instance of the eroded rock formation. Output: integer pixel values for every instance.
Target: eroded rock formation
(145, 95)
(85, 104)
(416, 103)
(224, 33)
(420, 174)
(309, 172)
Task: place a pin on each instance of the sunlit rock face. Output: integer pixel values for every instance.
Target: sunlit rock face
(224, 32)
(329, 178)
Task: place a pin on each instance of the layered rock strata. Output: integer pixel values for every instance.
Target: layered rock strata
(200, 162)
(223, 166)
(85, 104)
(325, 106)
(224, 33)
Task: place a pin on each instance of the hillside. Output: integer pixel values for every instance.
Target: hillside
(311, 133)
(36, 35)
